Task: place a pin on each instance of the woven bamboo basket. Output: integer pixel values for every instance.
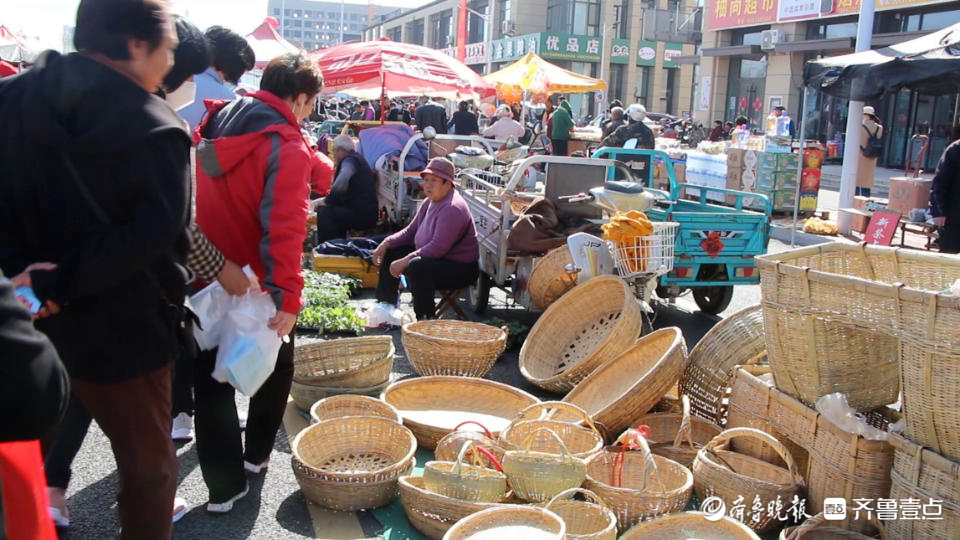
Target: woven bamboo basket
(359, 362)
(305, 395)
(352, 405)
(734, 341)
(590, 325)
(509, 522)
(729, 475)
(474, 483)
(687, 525)
(434, 406)
(638, 485)
(920, 473)
(352, 463)
(627, 387)
(588, 520)
(678, 436)
(463, 348)
(839, 295)
(818, 528)
(560, 419)
(539, 476)
(448, 448)
(549, 279)
(434, 514)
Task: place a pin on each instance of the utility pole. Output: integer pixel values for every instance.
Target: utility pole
(341, 20)
(851, 144)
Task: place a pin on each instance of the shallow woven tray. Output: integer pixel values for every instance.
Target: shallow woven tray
(305, 395)
(433, 406)
(352, 405)
(359, 362)
(549, 279)
(590, 325)
(352, 463)
(433, 514)
(538, 524)
(463, 348)
(686, 525)
(626, 387)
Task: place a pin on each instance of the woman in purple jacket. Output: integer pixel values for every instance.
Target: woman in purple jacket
(437, 250)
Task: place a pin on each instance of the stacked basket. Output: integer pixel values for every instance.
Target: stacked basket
(322, 369)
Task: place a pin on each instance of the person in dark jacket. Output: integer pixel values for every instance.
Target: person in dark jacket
(636, 129)
(464, 122)
(431, 113)
(945, 199)
(716, 134)
(616, 120)
(352, 202)
(94, 180)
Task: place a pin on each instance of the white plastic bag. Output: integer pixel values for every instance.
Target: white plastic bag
(836, 409)
(210, 305)
(248, 349)
(382, 314)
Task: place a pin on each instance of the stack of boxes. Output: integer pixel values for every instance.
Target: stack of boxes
(776, 176)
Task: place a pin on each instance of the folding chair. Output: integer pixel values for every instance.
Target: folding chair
(449, 300)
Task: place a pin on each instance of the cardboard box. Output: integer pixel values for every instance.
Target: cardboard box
(859, 223)
(768, 161)
(748, 181)
(735, 158)
(907, 193)
(733, 178)
(680, 171)
(810, 181)
(750, 159)
(776, 180)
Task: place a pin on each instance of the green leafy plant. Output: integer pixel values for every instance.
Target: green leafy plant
(326, 306)
(517, 331)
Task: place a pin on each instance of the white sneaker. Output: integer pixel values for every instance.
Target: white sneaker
(242, 418)
(59, 518)
(179, 508)
(224, 507)
(182, 429)
(255, 469)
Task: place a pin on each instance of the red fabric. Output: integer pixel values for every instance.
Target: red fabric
(321, 173)
(7, 69)
(462, 31)
(230, 206)
(407, 69)
(25, 491)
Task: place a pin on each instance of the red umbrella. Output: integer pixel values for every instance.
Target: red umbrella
(373, 68)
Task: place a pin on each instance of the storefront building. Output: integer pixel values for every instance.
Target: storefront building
(753, 54)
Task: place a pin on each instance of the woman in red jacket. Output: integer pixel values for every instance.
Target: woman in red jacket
(253, 169)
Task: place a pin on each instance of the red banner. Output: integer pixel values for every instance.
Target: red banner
(733, 13)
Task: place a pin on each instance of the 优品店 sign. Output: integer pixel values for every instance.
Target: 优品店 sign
(570, 47)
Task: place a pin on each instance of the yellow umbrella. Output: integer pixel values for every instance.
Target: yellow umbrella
(534, 74)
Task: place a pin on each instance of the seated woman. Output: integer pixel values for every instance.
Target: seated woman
(437, 250)
(352, 202)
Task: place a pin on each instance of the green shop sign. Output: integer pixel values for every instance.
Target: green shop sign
(647, 53)
(670, 51)
(570, 47)
(620, 51)
(514, 48)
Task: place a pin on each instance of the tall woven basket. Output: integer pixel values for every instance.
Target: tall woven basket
(921, 474)
(588, 326)
(737, 340)
(463, 348)
(550, 279)
(729, 476)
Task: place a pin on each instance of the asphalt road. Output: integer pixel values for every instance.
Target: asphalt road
(275, 509)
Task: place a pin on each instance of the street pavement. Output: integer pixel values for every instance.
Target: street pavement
(274, 508)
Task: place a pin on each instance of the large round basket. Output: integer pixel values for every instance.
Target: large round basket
(729, 475)
(349, 362)
(735, 341)
(625, 388)
(509, 522)
(305, 395)
(550, 279)
(588, 326)
(687, 525)
(560, 419)
(638, 486)
(448, 448)
(434, 406)
(352, 463)
(589, 520)
(352, 405)
(464, 348)
(678, 436)
(818, 528)
(434, 514)
(540, 476)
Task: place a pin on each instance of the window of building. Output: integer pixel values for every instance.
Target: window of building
(670, 92)
(276, 11)
(394, 33)
(939, 20)
(296, 33)
(574, 17)
(307, 14)
(297, 13)
(832, 30)
(441, 29)
(617, 78)
(333, 15)
(296, 23)
(287, 13)
(621, 18)
(505, 8)
(747, 81)
(415, 32)
(643, 86)
(477, 26)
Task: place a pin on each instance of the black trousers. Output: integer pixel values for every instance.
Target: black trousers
(559, 147)
(219, 447)
(182, 391)
(333, 221)
(58, 459)
(424, 277)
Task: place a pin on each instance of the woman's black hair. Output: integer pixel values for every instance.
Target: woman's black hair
(192, 55)
(231, 53)
(104, 26)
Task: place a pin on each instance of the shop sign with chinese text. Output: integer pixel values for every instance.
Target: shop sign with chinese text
(646, 53)
(514, 48)
(620, 51)
(570, 47)
(671, 51)
(733, 13)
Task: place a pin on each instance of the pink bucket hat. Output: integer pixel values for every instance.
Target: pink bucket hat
(441, 167)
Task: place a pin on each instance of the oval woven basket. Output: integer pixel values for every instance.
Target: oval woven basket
(734, 341)
(588, 326)
(348, 362)
(560, 419)
(464, 481)
(448, 448)
(434, 514)
(678, 436)
(625, 388)
(305, 395)
(352, 405)
(434, 406)
(352, 463)
(729, 475)
(637, 486)
(549, 279)
(818, 528)
(585, 520)
(509, 522)
(540, 476)
(440, 347)
(687, 525)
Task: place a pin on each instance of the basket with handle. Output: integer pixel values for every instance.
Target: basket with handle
(729, 475)
(636, 484)
(449, 446)
(550, 279)
(560, 419)
(678, 436)
(513, 522)
(463, 348)
(474, 483)
(344, 363)
(687, 525)
(818, 528)
(587, 520)
(538, 476)
(352, 405)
